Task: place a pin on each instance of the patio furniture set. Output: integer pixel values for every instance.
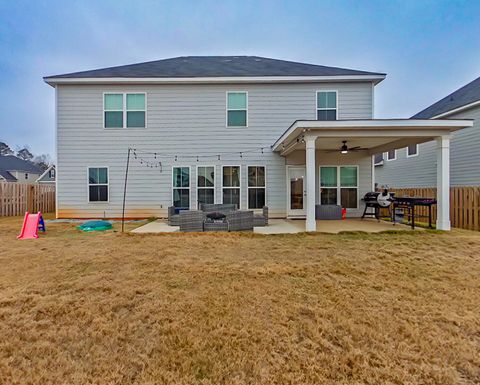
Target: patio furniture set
(217, 217)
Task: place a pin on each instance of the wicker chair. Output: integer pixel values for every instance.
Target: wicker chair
(240, 220)
(191, 220)
(261, 219)
(173, 218)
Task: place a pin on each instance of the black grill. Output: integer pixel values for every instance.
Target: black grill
(372, 201)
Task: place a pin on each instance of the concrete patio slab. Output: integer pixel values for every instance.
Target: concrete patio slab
(292, 226)
(158, 226)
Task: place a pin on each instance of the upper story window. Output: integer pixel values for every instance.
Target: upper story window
(412, 150)
(326, 105)
(237, 109)
(51, 173)
(124, 110)
(392, 155)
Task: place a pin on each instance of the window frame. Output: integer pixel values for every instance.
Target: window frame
(183, 188)
(264, 187)
(394, 155)
(124, 109)
(214, 188)
(239, 187)
(236, 109)
(325, 109)
(339, 187)
(98, 184)
(416, 151)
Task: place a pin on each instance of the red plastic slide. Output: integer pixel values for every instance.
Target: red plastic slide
(31, 223)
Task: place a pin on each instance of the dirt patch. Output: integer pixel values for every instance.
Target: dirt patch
(353, 308)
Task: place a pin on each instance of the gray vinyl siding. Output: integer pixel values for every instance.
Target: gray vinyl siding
(182, 120)
(421, 170)
(364, 163)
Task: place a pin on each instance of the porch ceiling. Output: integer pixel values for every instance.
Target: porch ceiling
(375, 135)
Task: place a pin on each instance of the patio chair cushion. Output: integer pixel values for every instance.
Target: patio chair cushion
(218, 207)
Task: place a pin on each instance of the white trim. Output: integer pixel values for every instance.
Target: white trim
(326, 109)
(45, 172)
(236, 109)
(455, 110)
(206, 188)
(394, 155)
(414, 127)
(98, 184)
(300, 213)
(257, 187)
(339, 187)
(190, 207)
(124, 109)
(56, 151)
(416, 153)
(234, 187)
(230, 79)
(373, 101)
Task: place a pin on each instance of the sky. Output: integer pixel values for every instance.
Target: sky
(427, 48)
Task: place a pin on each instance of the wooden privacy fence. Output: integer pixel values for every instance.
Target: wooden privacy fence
(464, 204)
(16, 198)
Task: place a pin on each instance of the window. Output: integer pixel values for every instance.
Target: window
(26, 176)
(181, 187)
(231, 185)
(51, 173)
(256, 187)
(124, 110)
(205, 184)
(412, 150)
(326, 105)
(237, 109)
(379, 158)
(339, 186)
(392, 155)
(98, 184)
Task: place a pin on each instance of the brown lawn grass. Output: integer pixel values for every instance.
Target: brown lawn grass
(111, 308)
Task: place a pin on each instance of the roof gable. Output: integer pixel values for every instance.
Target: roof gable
(214, 66)
(465, 95)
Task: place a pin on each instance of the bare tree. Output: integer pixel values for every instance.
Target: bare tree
(24, 153)
(44, 161)
(5, 149)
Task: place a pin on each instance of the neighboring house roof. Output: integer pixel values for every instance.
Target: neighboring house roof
(12, 163)
(462, 97)
(45, 177)
(7, 176)
(214, 66)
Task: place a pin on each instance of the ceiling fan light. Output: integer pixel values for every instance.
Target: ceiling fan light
(344, 148)
(344, 151)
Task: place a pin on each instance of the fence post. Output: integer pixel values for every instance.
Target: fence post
(30, 198)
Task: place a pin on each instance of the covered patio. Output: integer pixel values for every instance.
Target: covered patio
(333, 139)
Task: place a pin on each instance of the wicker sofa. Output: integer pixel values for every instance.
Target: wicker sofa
(236, 220)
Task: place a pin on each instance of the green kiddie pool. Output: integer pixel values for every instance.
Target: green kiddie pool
(95, 226)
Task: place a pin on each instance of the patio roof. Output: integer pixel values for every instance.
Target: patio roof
(375, 135)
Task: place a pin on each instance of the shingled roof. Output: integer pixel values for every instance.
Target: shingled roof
(463, 96)
(12, 163)
(215, 66)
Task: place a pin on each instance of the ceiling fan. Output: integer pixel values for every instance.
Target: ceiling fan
(344, 149)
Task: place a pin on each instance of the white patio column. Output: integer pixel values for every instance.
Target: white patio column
(443, 183)
(311, 225)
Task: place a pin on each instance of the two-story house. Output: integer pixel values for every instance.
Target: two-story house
(226, 129)
(415, 166)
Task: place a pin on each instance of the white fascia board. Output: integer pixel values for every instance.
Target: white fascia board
(455, 110)
(359, 127)
(209, 80)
